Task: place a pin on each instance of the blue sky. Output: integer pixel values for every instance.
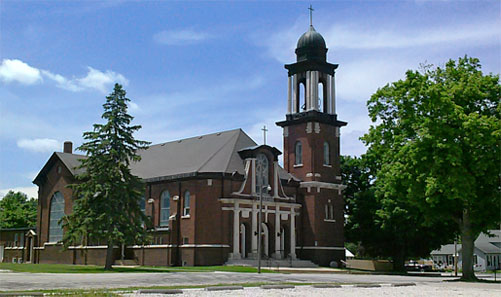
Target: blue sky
(193, 68)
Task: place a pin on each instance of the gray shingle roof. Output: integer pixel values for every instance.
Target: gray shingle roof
(485, 243)
(211, 153)
(447, 249)
(72, 162)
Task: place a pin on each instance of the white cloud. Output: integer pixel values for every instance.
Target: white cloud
(18, 71)
(350, 37)
(32, 191)
(62, 82)
(101, 81)
(39, 145)
(281, 44)
(180, 37)
(133, 107)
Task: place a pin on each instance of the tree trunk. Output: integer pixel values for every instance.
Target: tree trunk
(109, 256)
(467, 247)
(399, 260)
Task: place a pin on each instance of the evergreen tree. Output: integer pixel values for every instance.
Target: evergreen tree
(107, 196)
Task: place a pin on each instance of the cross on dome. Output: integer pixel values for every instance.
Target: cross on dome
(311, 14)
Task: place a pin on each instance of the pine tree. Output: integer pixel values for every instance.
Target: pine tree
(107, 196)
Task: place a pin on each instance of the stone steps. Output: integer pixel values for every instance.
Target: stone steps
(272, 263)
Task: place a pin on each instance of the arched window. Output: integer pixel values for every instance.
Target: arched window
(164, 208)
(56, 213)
(327, 159)
(262, 172)
(142, 204)
(186, 210)
(299, 153)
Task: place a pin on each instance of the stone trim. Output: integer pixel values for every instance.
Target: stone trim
(321, 248)
(204, 246)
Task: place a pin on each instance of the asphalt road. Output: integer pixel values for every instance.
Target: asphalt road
(31, 281)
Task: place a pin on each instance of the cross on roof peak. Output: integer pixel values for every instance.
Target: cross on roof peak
(264, 133)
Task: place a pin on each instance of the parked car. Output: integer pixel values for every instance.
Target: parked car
(415, 266)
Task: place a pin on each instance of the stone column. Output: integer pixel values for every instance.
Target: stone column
(289, 95)
(295, 92)
(277, 233)
(253, 177)
(254, 232)
(314, 90)
(307, 91)
(293, 234)
(275, 179)
(333, 95)
(236, 232)
(328, 99)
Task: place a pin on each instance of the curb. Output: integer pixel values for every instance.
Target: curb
(403, 284)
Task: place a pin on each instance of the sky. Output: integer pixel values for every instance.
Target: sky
(192, 68)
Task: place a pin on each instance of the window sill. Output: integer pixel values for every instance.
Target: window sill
(329, 221)
(162, 228)
(297, 165)
(328, 165)
(186, 216)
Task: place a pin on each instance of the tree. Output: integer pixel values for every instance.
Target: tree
(17, 211)
(107, 204)
(385, 227)
(436, 144)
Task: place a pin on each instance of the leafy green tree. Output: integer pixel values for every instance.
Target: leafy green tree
(17, 211)
(385, 227)
(107, 206)
(436, 143)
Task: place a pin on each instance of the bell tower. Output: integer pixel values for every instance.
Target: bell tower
(311, 149)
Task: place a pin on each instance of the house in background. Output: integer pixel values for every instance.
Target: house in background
(486, 255)
(16, 245)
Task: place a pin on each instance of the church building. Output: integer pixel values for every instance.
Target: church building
(203, 194)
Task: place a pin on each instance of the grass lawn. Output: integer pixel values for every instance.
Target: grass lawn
(64, 268)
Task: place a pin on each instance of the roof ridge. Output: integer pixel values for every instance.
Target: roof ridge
(218, 150)
(234, 144)
(196, 136)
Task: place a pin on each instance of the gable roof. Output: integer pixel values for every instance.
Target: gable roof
(211, 153)
(71, 161)
(485, 243)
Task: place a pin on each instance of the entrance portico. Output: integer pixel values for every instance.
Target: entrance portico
(284, 213)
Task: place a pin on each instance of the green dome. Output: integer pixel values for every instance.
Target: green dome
(311, 38)
(311, 46)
